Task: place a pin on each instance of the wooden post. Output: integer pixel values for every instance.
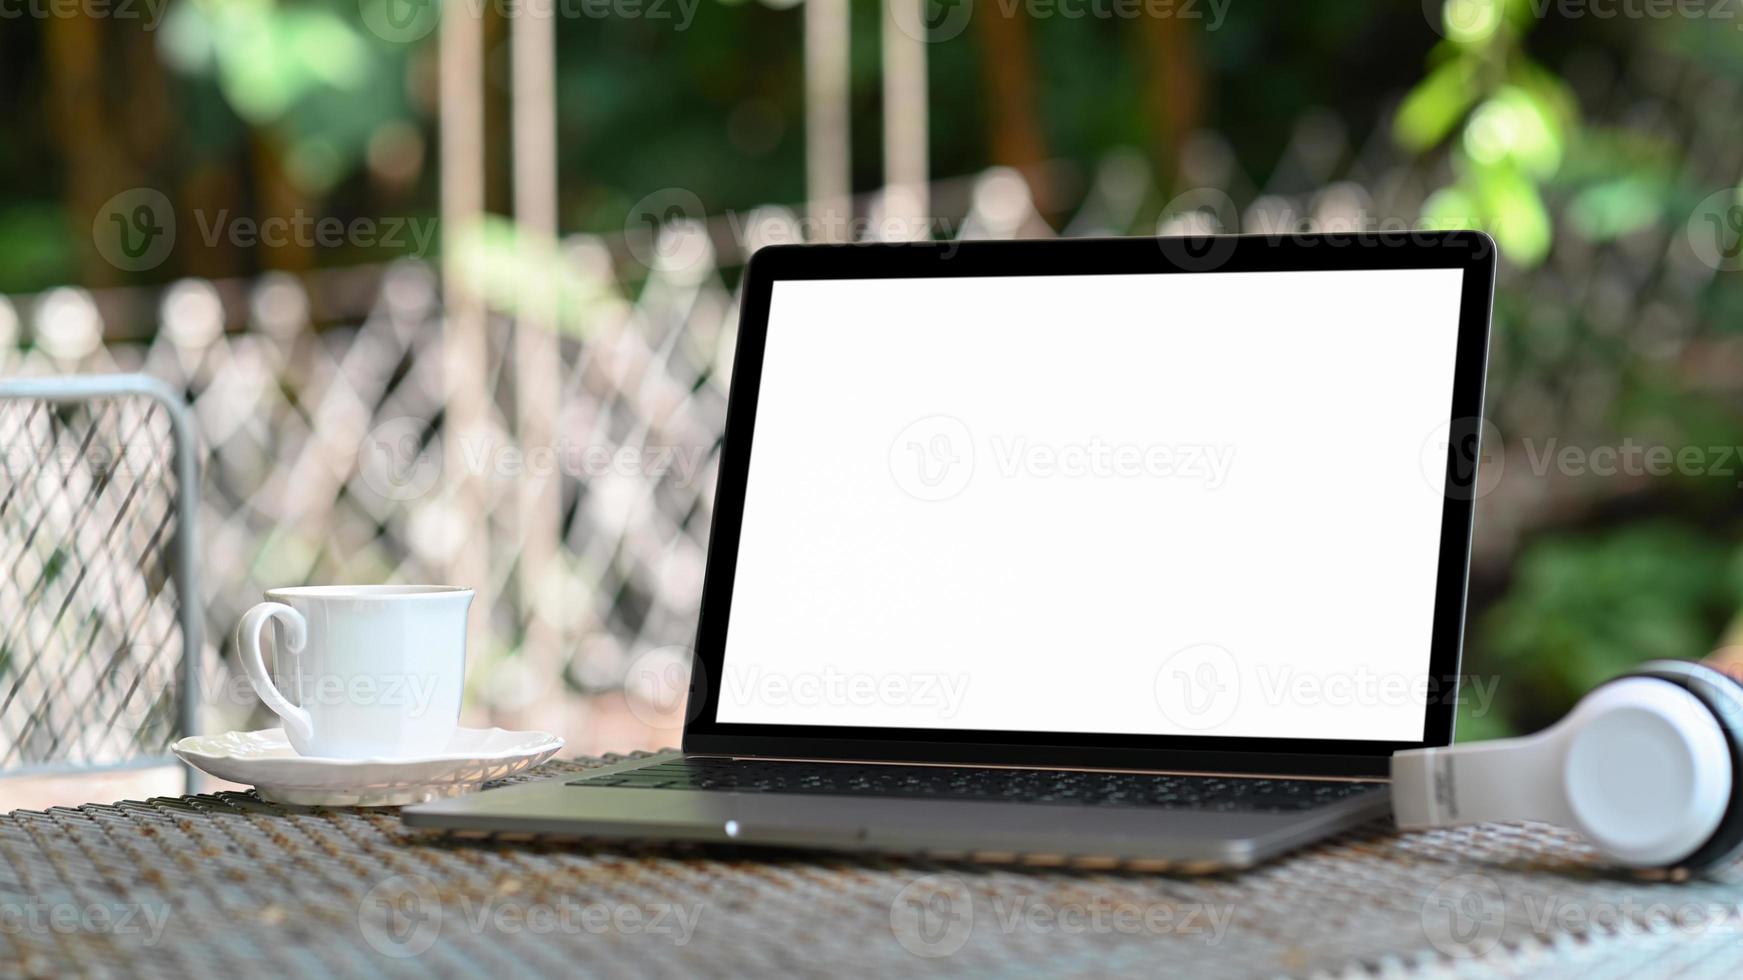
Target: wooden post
(465, 353)
(906, 141)
(828, 134)
(537, 358)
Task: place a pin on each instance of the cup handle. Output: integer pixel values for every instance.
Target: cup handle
(296, 721)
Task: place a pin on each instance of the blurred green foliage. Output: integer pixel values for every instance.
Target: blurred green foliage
(308, 74)
(1511, 120)
(1641, 571)
(259, 93)
(1583, 609)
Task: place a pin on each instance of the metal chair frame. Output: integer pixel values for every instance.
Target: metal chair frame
(182, 549)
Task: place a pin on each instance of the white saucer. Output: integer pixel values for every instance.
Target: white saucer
(266, 761)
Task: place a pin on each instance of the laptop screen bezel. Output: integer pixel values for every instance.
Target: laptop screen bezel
(1471, 252)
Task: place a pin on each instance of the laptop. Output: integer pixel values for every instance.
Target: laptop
(1072, 551)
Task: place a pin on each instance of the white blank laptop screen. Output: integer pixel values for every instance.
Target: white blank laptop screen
(1125, 504)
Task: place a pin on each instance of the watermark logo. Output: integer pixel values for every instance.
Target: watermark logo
(1199, 687)
(400, 21)
(137, 694)
(1477, 455)
(401, 917)
(135, 230)
(658, 686)
(933, 458)
(1464, 916)
(1465, 21)
(401, 459)
(933, 916)
(1194, 229)
(931, 21)
(1715, 231)
(667, 230)
(138, 459)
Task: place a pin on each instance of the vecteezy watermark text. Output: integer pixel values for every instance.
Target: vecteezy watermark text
(933, 21)
(1480, 453)
(1466, 915)
(935, 916)
(1200, 687)
(150, 12)
(406, 21)
(403, 459)
(135, 458)
(1099, 459)
(415, 695)
(136, 230)
(403, 916)
(831, 687)
(39, 917)
(1211, 12)
(934, 459)
(1473, 21)
(303, 230)
(1633, 459)
(412, 692)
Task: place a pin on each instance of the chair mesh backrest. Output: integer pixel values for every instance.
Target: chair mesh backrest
(91, 643)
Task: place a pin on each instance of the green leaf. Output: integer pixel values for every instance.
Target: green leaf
(1513, 211)
(1516, 127)
(1473, 22)
(1436, 105)
(1450, 209)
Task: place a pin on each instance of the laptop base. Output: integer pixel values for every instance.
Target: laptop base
(1185, 841)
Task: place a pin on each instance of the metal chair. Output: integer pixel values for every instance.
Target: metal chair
(100, 625)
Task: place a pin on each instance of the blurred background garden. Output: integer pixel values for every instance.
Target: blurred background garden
(368, 238)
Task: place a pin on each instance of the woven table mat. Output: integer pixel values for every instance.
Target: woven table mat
(227, 884)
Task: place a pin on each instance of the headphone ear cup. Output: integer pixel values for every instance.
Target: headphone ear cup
(1723, 696)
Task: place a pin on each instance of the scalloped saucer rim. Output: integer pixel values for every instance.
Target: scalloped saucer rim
(271, 744)
(265, 760)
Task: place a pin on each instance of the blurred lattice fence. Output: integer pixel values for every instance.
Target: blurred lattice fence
(308, 477)
(321, 399)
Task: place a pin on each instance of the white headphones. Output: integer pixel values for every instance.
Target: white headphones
(1646, 766)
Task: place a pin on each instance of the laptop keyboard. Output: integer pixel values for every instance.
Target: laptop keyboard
(1027, 785)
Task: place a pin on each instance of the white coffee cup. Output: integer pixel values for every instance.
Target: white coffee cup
(379, 668)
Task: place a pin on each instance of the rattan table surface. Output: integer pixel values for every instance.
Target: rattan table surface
(227, 884)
